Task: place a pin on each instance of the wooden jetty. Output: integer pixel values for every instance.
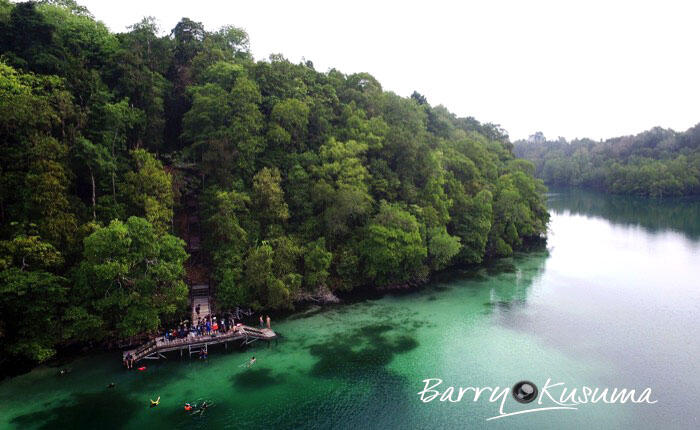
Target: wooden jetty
(199, 300)
(200, 307)
(200, 304)
(154, 349)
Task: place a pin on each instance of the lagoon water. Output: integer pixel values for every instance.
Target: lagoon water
(613, 301)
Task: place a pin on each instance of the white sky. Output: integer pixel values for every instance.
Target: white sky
(568, 68)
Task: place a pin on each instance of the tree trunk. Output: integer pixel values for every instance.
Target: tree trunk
(92, 179)
(114, 161)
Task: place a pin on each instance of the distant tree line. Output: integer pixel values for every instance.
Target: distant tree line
(657, 162)
(306, 181)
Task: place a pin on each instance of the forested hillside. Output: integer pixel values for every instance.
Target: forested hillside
(303, 181)
(657, 162)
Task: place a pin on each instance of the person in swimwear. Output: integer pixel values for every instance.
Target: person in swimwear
(202, 408)
(251, 361)
(188, 407)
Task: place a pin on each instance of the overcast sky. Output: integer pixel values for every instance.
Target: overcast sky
(568, 68)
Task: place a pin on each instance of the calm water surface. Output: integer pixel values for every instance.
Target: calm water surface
(614, 301)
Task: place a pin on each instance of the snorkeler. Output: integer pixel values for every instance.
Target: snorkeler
(195, 408)
(202, 408)
(155, 403)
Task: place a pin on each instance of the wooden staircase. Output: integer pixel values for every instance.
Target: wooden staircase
(199, 295)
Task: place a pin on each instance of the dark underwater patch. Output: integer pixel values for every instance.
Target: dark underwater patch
(501, 267)
(256, 378)
(103, 410)
(358, 351)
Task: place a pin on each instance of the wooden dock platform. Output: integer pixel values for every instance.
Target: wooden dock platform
(154, 349)
(200, 307)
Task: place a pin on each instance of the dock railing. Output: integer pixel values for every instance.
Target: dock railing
(154, 347)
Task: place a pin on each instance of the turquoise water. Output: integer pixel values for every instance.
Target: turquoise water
(613, 301)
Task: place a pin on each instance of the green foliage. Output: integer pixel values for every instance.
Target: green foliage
(227, 241)
(518, 212)
(268, 278)
(303, 180)
(131, 279)
(290, 119)
(393, 250)
(28, 253)
(442, 247)
(340, 193)
(317, 261)
(268, 198)
(655, 163)
(30, 298)
(149, 191)
(472, 221)
(30, 323)
(225, 123)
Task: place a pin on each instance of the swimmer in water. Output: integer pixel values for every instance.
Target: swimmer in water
(155, 403)
(248, 363)
(111, 385)
(188, 407)
(202, 408)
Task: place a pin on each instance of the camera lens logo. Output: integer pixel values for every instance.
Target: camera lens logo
(524, 391)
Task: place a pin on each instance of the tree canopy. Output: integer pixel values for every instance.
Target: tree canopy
(113, 145)
(656, 163)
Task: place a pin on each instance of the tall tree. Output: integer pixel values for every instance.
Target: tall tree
(130, 282)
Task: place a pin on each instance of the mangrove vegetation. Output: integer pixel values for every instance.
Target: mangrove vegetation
(304, 182)
(658, 162)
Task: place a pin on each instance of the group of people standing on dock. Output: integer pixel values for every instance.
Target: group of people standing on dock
(267, 319)
(206, 326)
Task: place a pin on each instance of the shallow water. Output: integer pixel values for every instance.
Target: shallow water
(614, 301)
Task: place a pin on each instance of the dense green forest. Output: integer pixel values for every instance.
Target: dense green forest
(657, 162)
(303, 182)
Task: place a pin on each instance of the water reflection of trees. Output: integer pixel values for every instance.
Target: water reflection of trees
(681, 214)
(511, 279)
